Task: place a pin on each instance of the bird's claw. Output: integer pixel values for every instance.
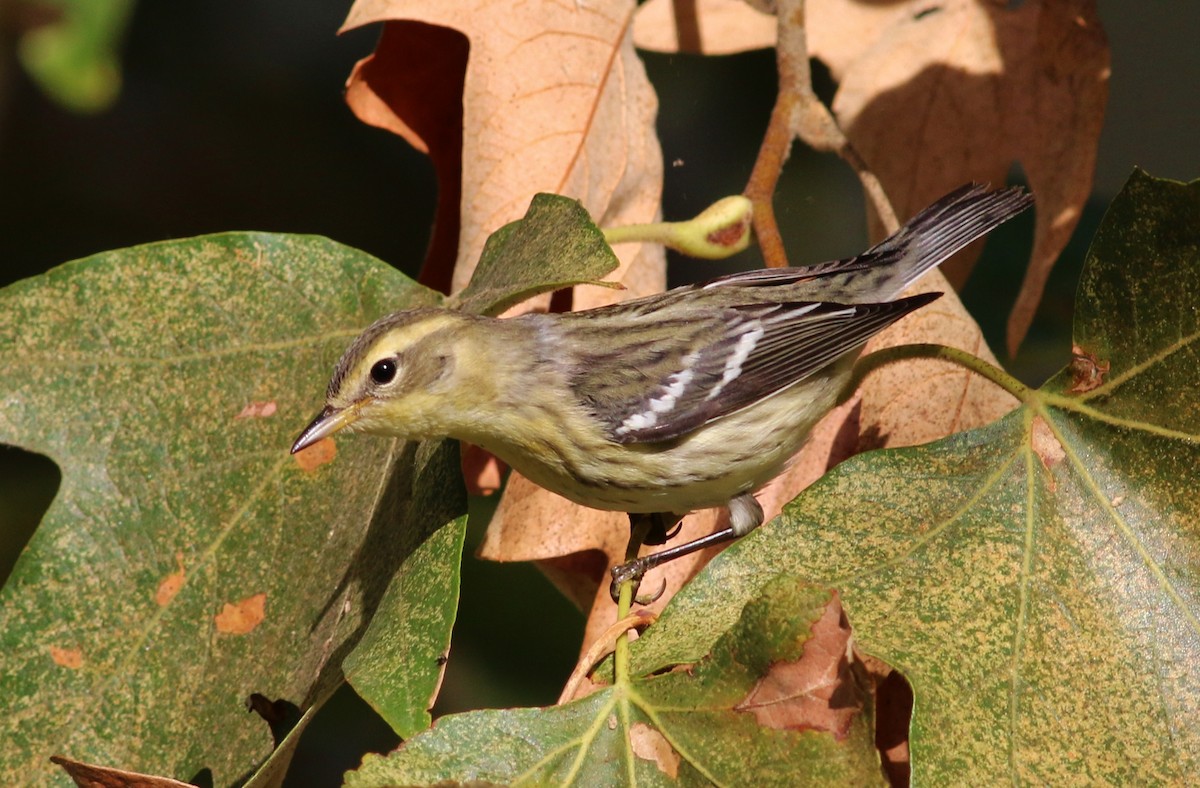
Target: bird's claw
(650, 599)
(675, 529)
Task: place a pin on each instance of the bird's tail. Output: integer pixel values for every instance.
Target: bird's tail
(924, 242)
(933, 235)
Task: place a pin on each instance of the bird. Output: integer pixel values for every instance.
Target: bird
(657, 406)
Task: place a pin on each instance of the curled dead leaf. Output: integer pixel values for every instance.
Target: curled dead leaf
(89, 775)
(995, 84)
(243, 616)
(823, 690)
(553, 98)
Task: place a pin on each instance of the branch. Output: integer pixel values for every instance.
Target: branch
(799, 113)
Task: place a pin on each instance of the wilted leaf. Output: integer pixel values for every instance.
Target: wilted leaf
(130, 370)
(687, 724)
(1036, 580)
(87, 775)
(934, 96)
(553, 98)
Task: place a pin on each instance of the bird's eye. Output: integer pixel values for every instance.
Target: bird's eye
(384, 372)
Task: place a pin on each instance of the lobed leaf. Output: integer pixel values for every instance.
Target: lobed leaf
(936, 95)
(188, 561)
(697, 725)
(550, 99)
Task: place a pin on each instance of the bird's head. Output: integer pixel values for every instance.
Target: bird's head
(394, 379)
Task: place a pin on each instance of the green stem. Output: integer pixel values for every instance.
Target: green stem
(621, 650)
(881, 358)
(720, 230)
(640, 527)
(659, 233)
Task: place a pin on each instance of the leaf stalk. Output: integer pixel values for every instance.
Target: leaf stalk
(881, 358)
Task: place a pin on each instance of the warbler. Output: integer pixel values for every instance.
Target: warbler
(658, 406)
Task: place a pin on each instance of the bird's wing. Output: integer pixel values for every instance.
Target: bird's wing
(704, 369)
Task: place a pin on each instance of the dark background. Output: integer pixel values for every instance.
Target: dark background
(231, 118)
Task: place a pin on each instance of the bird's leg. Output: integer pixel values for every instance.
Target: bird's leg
(647, 528)
(745, 515)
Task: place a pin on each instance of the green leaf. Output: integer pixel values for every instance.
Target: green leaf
(692, 726)
(75, 58)
(1036, 580)
(411, 619)
(556, 245)
(168, 381)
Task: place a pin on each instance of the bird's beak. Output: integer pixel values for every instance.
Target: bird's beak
(327, 422)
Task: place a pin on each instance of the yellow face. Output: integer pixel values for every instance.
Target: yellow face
(390, 381)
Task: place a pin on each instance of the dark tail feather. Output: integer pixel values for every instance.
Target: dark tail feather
(933, 235)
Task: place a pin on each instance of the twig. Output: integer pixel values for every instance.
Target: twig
(687, 25)
(799, 113)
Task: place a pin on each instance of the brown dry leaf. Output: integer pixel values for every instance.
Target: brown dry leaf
(541, 97)
(88, 775)
(934, 96)
(241, 617)
(823, 690)
(923, 400)
(719, 27)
